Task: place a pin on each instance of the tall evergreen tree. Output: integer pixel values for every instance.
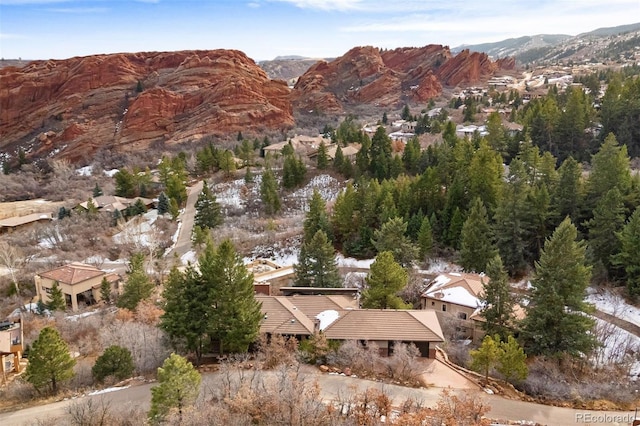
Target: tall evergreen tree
(338, 160)
(608, 219)
(609, 169)
(455, 228)
(477, 242)
(50, 361)
(509, 220)
(269, 193)
(105, 290)
(316, 218)
(425, 239)
(322, 161)
(485, 175)
(208, 214)
(235, 319)
(391, 237)
(178, 388)
(567, 199)
(138, 286)
(163, 204)
(317, 265)
(56, 298)
(187, 306)
(380, 165)
(628, 258)
(512, 363)
(556, 323)
(497, 301)
(342, 220)
(386, 278)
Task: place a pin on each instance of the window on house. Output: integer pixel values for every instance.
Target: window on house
(462, 315)
(444, 308)
(433, 303)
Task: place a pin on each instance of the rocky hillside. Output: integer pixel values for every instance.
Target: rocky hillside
(367, 75)
(603, 44)
(129, 101)
(287, 69)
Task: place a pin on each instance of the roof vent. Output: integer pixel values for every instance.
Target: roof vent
(293, 320)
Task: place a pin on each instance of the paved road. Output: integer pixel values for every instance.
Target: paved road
(183, 245)
(332, 386)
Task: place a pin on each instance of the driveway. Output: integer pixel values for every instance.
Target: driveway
(187, 218)
(333, 386)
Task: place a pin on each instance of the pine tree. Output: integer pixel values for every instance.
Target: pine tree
(486, 356)
(115, 361)
(269, 193)
(386, 278)
(235, 319)
(485, 175)
(125, 183)
(567, 199)
(512, 363)
(316, 218)
(608, 219)
(208, 214)
(105, 290)
(187, 306)
(323, 157)
(497, 301)
(477, 245)
(178, 388)
(97, 191)
(342, 220)
(609, 169)
(138, 286)
(317, 265)
(425, 238)
(174, 208)
(455, 228)
(628, 258)
(50, 362)
(380, 155)
(338, 160)
(227, 162)
(556, 323)
(163, 204)
(56, 298)
(391, 237)
(63, 212)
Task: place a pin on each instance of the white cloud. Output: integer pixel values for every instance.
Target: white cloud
(342, 5)
(253, 5)
(78, 10)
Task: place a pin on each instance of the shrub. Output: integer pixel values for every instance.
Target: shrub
(116, 361)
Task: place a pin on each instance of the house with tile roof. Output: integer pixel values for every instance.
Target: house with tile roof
(456, 298)
(80, 283)
(10, 224)
(339, 318)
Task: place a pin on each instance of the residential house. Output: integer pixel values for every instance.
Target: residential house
(11, 346)
(10, 224)
(456, 296)
(109, 203)
(269, 277)
(339, 318)
(80, 283)
(302, 145)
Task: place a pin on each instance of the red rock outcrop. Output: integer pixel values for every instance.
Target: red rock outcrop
(389, 78)
(84, 103)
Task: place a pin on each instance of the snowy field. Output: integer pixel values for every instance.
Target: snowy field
(618, 346)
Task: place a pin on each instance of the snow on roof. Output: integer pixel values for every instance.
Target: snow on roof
(327, 318)
(457, 295)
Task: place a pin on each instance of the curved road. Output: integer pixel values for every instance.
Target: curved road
(331, 387)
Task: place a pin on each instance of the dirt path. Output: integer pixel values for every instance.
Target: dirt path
(625, 325)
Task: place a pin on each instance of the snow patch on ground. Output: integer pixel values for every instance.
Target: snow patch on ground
(85, 171)
(350, 262)
(138, 231)
(111, 172)
(609, 302)
(439, 266)
(189, 257)
(327, 186)
(108, 390)
(82, 315)
(618, 346)
(283, 256)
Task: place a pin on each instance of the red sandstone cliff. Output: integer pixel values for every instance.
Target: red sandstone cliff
(389, 78)
(81, 104)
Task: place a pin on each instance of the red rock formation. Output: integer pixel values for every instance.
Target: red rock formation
(84, 103)
(384, 78)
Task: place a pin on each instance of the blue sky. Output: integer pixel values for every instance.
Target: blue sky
(264, 29)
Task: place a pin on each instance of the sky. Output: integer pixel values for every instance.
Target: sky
(264, 29)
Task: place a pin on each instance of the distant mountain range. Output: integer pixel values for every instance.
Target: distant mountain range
(600, 44)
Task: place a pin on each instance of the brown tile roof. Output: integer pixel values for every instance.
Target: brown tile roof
(312, 305)
(280, 316)
(72, 273)
(459, 288)
(374, 324)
